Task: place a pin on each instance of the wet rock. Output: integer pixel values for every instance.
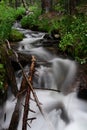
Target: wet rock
(47, 36)
(49, 43)
(82, 88)
(16, 36)
(56, 35)
(51, 39)
(3, 96)
(82, 91)
(24, 59)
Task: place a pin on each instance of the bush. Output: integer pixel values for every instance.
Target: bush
(28, 21)
(15, 35)
(20, 12)
(74, 38)
(7, 17)
(44, 24)
(32, 19)
(2, 75)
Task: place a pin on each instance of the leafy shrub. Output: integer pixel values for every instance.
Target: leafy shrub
(66, 41)
(20, 12)
(2, 75)
(7, 17)
(28, 21)
(74, 38)
(58, 7)
(44, 24)
(35, 8)
(15, 35)
(32, 19)
(4, 30)
(55, 25)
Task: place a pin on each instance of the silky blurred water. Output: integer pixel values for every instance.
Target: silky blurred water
(63, 110)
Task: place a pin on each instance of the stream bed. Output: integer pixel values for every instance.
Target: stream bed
(63, 110)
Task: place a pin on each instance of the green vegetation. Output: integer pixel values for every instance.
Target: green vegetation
(2, 75)
(16, 36)
(42, 22)
(32, 19)
(8, 15)
(19, 13)
(72, 28)
(6, 21)
(74, 37)
(70, 23)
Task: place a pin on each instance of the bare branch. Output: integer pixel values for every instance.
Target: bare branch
(50, 125)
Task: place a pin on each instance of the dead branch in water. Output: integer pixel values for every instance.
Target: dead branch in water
(25, 5)
(26, 107)
(51, 127)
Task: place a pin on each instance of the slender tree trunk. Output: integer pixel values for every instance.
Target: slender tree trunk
(46, 5)
(16, 4)
(70, 6)
(10, 2)
(25, 5)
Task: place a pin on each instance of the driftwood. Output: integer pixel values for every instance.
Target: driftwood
(26, 106)
(24, 59)
(15, 116)
(17, 111)
(50, 125)
(30, 88)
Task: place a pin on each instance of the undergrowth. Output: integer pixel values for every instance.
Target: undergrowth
(73, 29)
(8, 16)
(74, 37)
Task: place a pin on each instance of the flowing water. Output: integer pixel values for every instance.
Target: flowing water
(63, 110)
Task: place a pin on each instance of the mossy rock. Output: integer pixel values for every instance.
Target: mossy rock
(2, 75)
(16, 36)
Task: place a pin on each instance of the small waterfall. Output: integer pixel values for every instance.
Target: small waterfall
(60, 75)
(64, 110)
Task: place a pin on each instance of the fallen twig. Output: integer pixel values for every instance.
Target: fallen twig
(54, 90)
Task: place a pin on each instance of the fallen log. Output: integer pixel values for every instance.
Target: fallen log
(50, 125)
(26, 106)
(18, 107)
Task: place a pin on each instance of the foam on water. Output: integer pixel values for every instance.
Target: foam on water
(62, 112)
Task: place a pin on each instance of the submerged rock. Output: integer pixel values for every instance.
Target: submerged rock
(3, 96)
(82, 92)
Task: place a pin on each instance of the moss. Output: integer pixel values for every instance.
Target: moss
(2, 76)
(2, 69)
(16, 36)
(3, 90)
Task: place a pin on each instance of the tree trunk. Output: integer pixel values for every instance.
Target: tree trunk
(10, 2)
(70, 6)
(46, 5)
(16, 4)
(25, 5)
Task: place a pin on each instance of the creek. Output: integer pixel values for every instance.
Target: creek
(63, 110)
